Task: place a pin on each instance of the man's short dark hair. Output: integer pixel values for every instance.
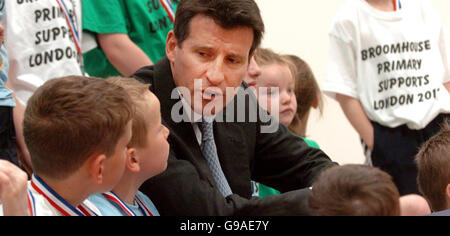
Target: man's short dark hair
(228, 14)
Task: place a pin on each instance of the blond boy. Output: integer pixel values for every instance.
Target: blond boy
(77, 130)
(149, 151)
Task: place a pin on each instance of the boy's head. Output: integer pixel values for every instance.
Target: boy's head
(276, 82)
(354, 190)
(72, 119)
(307, 91)
(433, 162)
(149, 140)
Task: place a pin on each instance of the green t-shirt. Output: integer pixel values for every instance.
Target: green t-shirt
(145, 22)
(265, 191)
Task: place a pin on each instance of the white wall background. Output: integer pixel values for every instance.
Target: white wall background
(301, 27)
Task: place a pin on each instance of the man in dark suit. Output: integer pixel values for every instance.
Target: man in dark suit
(207, 54)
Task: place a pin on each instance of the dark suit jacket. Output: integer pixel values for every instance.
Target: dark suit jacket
(280, 160)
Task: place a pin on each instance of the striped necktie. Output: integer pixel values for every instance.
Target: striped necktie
(209, 151)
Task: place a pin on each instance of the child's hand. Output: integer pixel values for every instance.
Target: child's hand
(13, 189)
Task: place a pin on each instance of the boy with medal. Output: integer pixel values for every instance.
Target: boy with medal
(148, 149)
(77, 130)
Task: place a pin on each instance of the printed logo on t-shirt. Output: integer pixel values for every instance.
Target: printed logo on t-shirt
(400, 73)
(161, 23)
(55, 33)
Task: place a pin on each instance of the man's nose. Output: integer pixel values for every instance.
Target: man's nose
(215, 73)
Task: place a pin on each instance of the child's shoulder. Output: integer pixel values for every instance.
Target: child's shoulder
(42, 207)
(104, 205)
(148, 202)
(45, 202)
(311, 143)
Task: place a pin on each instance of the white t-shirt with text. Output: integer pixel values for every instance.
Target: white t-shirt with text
(394, 63)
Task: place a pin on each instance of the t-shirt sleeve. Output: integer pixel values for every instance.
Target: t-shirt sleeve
(341, 69)
(104, 17)
(430, 12)
(444, 44)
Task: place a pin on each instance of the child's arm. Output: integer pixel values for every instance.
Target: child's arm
(2, 34)
(13, 190)
(18, 116)
(354, 112)
(447, 86)
(123, 53)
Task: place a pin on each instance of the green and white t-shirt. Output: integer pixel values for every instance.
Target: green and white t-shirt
(145, 22)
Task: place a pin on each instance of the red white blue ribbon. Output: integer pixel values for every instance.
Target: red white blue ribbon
(112, 197)
(57, 201)
(167, 4)
(31, 203)
(72, 26)
(397, 5)
(142, 206)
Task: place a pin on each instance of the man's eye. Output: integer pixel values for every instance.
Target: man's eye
(234, 61)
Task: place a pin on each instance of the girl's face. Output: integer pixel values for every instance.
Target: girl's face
(253, 72)
(275, 87)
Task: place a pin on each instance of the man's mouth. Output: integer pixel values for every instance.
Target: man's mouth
(211, 94)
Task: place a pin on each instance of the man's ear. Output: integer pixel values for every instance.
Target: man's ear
(171, 45)
(133, 162)
(96, 167)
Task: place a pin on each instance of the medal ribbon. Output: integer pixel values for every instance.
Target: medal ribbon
(167, 4)
(119, 203)
(112, 197)
(31, 204)
(57, 201)
(72, 26)
(144, 209)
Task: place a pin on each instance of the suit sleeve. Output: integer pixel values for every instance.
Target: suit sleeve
(180, 191)
(284, 161)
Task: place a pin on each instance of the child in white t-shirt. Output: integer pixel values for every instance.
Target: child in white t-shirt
(389, 68)
(149, 151)
(43, 41)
